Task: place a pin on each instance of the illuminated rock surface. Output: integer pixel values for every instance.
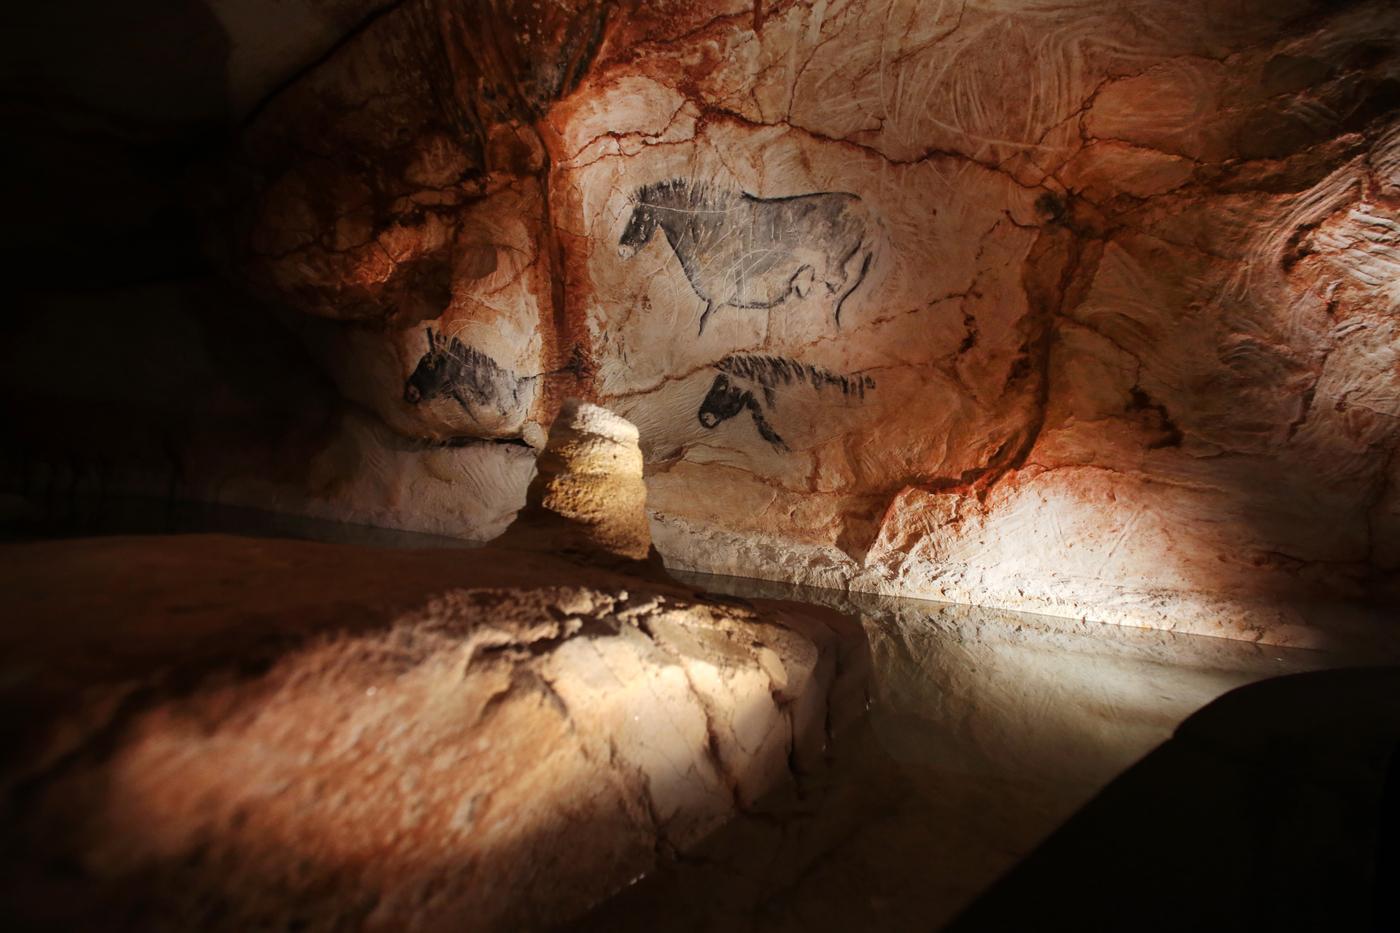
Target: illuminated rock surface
(1087, 307)
(221, 733)
(588, 498)
(1084, 307)
(1115, 287)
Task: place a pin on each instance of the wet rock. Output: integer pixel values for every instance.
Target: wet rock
(222, 733)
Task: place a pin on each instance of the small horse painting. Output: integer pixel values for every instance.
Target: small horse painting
(742, 251)
(752, 383)
(470, 377)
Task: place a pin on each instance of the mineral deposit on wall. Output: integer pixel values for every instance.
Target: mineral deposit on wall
(1085, 307)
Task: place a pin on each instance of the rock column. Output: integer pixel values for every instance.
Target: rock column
(588, 499)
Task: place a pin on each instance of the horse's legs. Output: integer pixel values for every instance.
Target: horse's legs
(765, 429)
(705, 315)
(801, 281)
(860, 277)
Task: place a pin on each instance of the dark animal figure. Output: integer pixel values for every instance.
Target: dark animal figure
(740, 376)
(742, 251)
(453, 368)
(725, 400)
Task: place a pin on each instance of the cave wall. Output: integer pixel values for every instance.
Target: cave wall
(136, 360)
(1079, 307)
(1131, 322)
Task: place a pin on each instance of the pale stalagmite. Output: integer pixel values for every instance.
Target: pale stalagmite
(589, 497)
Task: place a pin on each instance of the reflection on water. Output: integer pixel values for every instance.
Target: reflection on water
(986, 730)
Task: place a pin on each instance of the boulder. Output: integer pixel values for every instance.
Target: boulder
(221, 733)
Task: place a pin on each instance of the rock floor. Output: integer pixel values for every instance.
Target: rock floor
(985, 731)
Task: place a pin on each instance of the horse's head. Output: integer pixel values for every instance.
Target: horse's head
(640, 227)
(430, 378)
(722, 402)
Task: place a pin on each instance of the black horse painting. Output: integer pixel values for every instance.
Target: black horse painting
(742, 251)
(751, 383)
(451, 367)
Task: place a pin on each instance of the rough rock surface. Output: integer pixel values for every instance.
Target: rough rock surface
(1082, 307)
(225, 733)
(1127, 345)
(588, 498)
(1106, 331)
(986, 730)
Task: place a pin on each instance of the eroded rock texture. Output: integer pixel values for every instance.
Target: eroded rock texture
(986, 730)
(1081, 307)
(588, 499)
(225, 733)
(1104, 328)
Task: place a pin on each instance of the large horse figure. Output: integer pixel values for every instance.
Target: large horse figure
(742, 251)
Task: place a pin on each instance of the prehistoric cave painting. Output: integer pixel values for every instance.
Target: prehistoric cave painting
(742, 251)
(451, 367)
(751, 383)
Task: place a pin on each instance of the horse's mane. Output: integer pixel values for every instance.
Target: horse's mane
(771, 371)
(478, 364)
(686, 193)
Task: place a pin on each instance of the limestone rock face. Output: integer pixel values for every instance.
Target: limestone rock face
(1081, 307)
(588, 496)
(401, 194)
(1124, 284)
(225, 733)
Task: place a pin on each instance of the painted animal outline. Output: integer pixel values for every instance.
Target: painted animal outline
(742, 251)
(751, 383)
(470, 377)
(451, 367)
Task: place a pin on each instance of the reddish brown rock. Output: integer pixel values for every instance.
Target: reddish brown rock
(221, 732)
(1084, 308)
(588, 499)
(1113, 335)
